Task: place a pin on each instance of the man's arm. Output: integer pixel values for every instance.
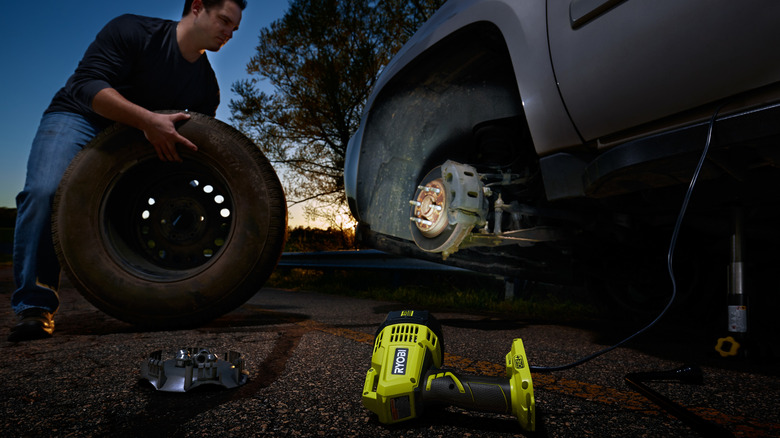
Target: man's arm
(159, 129)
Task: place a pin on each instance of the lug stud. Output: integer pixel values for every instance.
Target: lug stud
(421, 221)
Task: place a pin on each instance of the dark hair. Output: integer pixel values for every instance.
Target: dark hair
(209, 3)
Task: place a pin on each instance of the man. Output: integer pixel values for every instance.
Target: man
(135, 66)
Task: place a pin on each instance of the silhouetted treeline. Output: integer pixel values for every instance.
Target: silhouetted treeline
(7, 217)
(301, 239)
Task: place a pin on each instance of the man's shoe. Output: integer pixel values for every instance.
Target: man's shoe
(34, 324)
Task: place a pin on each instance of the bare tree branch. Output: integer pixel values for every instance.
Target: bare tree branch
(322, 58)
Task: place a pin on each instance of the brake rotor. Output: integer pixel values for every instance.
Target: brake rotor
(448, 203)
(429, 208)
(431, 228)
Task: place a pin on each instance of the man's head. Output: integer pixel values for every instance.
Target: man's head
(209, 3)
(210, 24)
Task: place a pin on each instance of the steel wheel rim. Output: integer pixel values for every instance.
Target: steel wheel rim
(167, 219)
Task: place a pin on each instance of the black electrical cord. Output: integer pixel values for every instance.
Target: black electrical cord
(669, 261)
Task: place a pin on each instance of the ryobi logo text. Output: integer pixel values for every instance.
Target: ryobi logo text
(399, 363)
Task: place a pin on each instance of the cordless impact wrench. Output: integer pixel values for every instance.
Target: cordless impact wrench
(406, 375)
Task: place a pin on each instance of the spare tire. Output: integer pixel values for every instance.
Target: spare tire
(165, 244)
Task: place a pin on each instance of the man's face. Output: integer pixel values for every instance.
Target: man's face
(216, 25)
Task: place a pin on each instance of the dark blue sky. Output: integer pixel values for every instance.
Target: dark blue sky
(44, 40)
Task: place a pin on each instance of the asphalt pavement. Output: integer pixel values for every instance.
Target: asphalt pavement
(307, 355)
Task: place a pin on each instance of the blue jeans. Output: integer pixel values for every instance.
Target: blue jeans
(59, 138)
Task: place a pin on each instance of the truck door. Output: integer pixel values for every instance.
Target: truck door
(622, 63)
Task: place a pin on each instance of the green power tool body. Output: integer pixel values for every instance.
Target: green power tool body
(406, 374)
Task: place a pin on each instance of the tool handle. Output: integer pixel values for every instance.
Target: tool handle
(487, 394)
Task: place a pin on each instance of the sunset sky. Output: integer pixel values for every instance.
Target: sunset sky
(44, 40)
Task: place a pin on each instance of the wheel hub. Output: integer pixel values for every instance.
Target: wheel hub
(182, 220)
(448, 203)
(430, 208)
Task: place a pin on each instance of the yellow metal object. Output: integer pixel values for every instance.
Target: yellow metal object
(397, 365)
(406, 372)
(519, 373)
(727, 346)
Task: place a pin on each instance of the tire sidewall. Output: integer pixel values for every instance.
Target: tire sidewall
(187, 297)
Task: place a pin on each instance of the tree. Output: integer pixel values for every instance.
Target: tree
(300, 239)
(7, 217)
(322, 58)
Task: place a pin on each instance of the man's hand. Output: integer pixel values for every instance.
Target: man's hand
(159, 129)
(161, 132)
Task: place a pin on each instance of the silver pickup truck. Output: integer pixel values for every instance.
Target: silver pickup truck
(553, 139)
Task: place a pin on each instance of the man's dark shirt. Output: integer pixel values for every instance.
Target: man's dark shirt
(140, 58)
